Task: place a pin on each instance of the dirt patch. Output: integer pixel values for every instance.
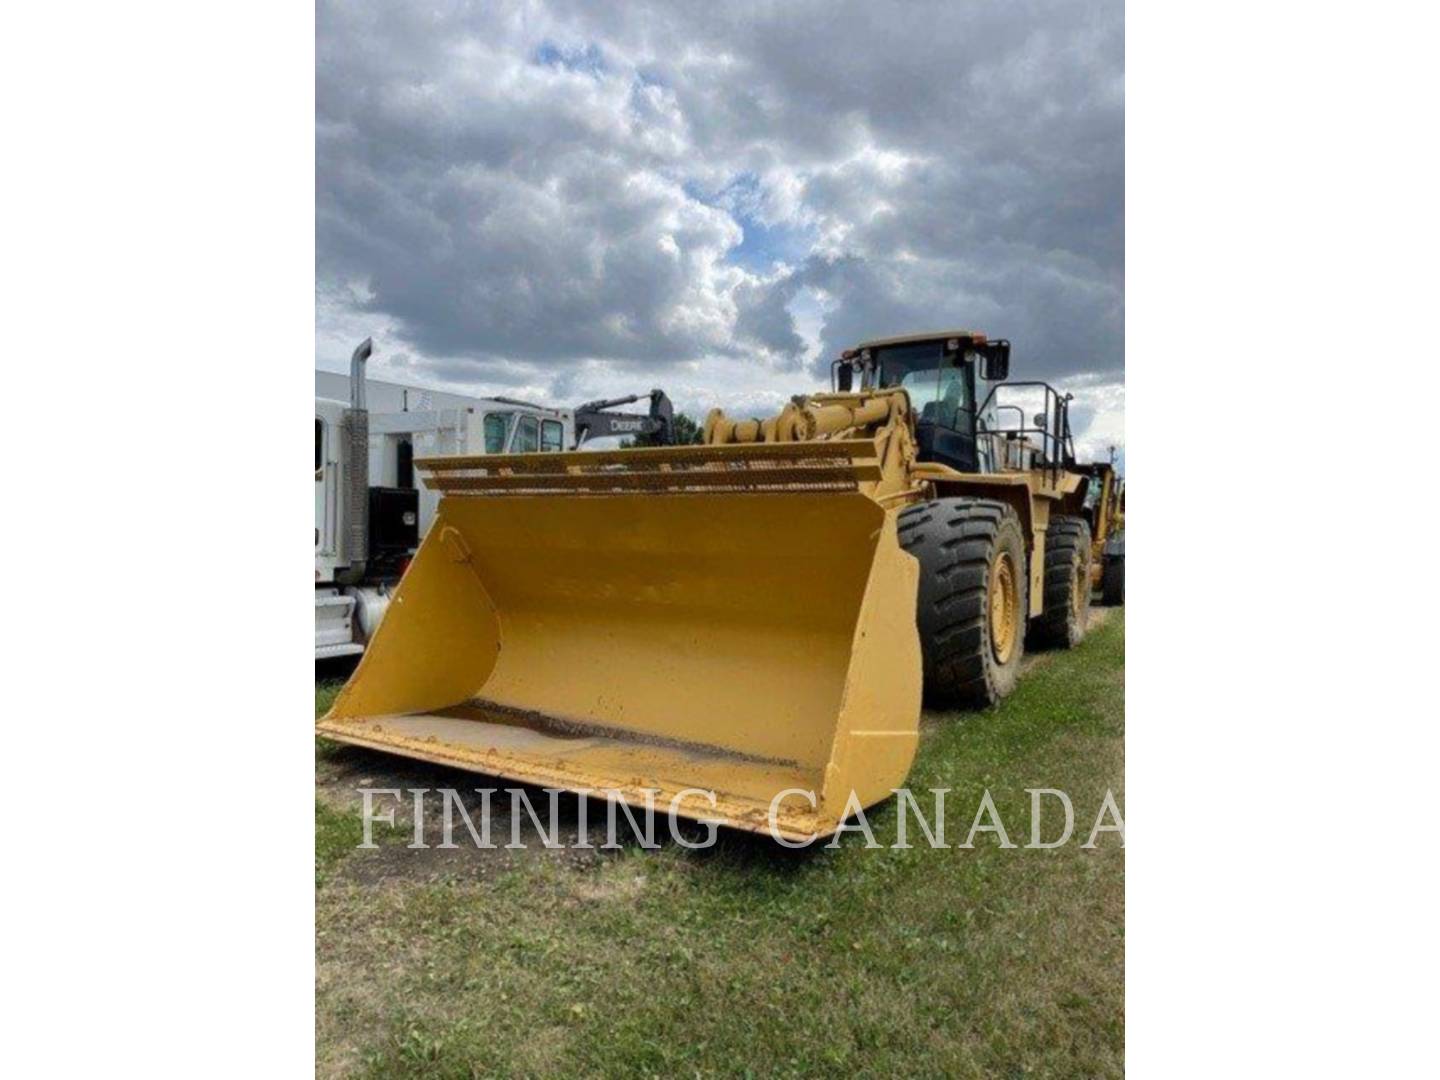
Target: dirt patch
(394, 863)
(613, 887)
(1097, 618)
(1098, 615)
(508, 833)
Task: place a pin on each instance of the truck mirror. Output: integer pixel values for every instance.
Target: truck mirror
(844, 377)
(995, 362)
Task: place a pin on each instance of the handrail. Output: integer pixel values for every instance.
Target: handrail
(1056, 437)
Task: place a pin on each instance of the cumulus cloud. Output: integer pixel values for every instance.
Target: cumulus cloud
(576, 199)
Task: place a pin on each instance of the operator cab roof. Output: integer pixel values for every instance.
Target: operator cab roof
(908, 339)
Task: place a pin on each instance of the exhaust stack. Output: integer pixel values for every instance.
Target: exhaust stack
(357, 475)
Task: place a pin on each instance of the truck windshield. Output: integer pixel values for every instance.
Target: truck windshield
(937, 389)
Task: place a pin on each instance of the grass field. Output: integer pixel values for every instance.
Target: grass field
(746, 959)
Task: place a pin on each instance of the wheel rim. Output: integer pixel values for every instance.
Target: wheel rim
(1004, 607)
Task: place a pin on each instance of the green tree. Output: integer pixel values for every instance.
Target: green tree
(687, 431)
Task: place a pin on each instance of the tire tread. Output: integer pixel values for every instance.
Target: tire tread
(954, 540)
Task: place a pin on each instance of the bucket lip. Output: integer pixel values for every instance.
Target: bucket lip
(736, 812)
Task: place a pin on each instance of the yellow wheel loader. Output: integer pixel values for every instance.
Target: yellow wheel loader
(739, 631)
(1104, 510)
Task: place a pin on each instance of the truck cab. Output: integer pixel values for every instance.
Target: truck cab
(403, 423)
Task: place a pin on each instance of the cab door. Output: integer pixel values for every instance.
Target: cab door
(945, 430)
(323, 524)
(527, 434)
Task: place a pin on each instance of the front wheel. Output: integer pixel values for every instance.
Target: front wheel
(972, 599)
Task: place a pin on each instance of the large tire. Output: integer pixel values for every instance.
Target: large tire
(1112, 577)
(1112, 581)
(972, 602)
(1067, 584)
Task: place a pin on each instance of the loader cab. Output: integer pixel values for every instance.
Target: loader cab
(946, 377)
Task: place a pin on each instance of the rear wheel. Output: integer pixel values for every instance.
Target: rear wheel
(1067, 584)
(972, 602)
(1112, 581)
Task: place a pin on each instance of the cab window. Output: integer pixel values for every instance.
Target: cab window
(552, 435)
(936, 383)
(497, 427)
(319, 444)
(527, 435)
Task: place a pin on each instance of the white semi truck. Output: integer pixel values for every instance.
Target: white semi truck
(369, 513)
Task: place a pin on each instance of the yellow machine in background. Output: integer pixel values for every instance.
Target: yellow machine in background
(750, 619)
(1105, 511)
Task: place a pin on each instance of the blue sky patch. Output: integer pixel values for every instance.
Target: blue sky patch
(763, 245)
(587, 58)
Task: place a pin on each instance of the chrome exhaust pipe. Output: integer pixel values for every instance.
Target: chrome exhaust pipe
(357, 482)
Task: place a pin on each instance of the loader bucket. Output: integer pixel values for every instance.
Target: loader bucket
(656, 625)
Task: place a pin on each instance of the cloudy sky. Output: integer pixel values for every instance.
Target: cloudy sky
(567, 200)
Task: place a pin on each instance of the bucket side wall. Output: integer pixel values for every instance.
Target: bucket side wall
(438, 642)
(880, 718)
